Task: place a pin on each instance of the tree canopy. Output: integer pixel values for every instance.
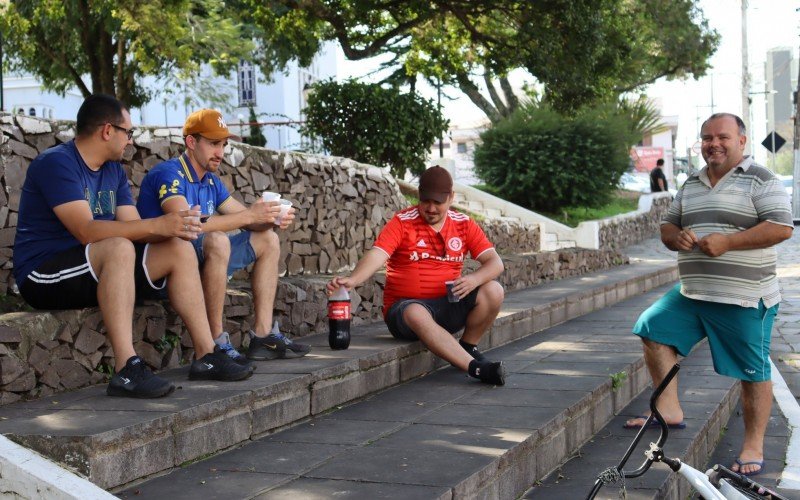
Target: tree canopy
(109, 46)
(375, 125)
(581, 51)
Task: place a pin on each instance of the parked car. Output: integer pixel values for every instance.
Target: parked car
(631, 182)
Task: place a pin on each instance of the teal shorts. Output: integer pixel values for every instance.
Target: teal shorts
(739, 337)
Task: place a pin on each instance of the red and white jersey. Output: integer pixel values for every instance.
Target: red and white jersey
(421, 259)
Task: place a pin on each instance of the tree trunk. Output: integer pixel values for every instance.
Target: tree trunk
(508, 92)
(498, 103)
(474, 94)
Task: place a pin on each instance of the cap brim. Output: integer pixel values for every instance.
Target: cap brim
(437, 197)
(216, 137)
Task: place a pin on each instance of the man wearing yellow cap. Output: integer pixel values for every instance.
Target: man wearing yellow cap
(81, 243)
(191, 181)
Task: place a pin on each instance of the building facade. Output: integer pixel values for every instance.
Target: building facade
(278, 102)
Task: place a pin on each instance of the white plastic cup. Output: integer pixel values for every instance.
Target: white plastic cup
(285, 206)
(270, 196)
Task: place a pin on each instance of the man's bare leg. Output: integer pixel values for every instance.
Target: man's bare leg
(214, 275)
(264, 279)
(757, 404)
(438, 340)
(177, 260)
(487, 306)
(113, 262)
(660, 359)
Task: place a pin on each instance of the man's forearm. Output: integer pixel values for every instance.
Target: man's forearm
(369, 264)
(134, 230)
(230, 222)
(669, 232)
(489, 270)
(762, 235)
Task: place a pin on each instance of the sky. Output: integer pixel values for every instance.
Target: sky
(770, 23)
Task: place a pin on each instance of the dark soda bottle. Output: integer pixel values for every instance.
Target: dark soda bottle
(339, 319)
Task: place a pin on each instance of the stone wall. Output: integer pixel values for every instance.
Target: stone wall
(45, 352)
(620, 231)
(340, 203)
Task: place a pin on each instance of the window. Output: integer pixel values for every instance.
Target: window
(247, 84)
(461, 147)
(32, 111)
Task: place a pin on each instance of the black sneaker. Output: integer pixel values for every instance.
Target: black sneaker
(224, 343)
(472, 350)
(488, 372)
(135, 380)
(275, 346)
(218, 366)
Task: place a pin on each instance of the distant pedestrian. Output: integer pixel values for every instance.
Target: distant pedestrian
(658, 181)
(724, 222)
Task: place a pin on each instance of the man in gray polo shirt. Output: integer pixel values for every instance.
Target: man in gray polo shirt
(724, 223)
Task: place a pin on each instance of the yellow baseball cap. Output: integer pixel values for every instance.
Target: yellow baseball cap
(208, 123)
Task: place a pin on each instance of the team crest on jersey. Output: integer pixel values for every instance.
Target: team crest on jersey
(455, 244)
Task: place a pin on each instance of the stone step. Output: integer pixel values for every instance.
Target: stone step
(475, 206)
(708, 399)
(48, 352)
(459, 198)
(494, 213)
(443, 435)
(115, 441)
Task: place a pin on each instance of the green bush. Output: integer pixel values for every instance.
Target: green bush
(545, 161)
(374, 125)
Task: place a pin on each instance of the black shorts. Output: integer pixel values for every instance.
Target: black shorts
(67, 281)
(452, 316)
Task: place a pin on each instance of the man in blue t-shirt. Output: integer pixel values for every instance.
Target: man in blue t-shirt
(190, 180)
(74, 248)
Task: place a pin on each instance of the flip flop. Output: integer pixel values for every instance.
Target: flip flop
(653, 424)
(741, 464)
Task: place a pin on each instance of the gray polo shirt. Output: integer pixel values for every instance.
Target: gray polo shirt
(746, 196)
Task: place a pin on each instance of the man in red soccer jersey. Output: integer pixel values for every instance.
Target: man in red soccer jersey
(423, 247)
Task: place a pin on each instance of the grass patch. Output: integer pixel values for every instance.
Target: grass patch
(621, 202)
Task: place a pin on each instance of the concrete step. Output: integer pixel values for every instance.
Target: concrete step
(509, 218)
(708, 399)
(493, 213)
(115, 441)
(475, 206)
(443, 435)
(459, 198)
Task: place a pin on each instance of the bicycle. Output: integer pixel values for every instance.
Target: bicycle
(718, 483)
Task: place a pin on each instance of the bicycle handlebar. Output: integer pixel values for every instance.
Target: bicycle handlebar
(654, 413)
(662, 438)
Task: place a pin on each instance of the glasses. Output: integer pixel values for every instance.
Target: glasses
(128, 131)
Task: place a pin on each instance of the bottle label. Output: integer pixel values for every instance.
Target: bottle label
(339, 310)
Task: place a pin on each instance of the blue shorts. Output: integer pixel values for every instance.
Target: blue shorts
(242, 253)
(739, 337)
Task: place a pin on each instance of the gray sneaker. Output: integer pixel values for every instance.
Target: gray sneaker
(224, 343)
(274, 346)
